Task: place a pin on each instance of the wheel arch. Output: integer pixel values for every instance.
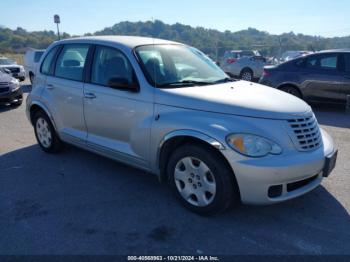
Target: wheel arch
(247, 68)
(174, 139)
(37, 106)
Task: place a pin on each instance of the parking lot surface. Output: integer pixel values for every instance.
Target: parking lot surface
(81, 203)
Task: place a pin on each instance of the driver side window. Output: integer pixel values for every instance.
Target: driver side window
(110, 63)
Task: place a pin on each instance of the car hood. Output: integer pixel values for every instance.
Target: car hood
(5, 78)
(236, 98)
(10, 66)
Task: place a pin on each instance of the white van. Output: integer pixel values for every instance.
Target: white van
(31, 60)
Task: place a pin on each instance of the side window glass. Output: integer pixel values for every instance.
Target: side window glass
(299, 62)
(312, 62)
(329, 62)
(110, 63)
(45, 67)
(71, 61)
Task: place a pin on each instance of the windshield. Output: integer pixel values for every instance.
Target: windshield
(6, 61)
(177, 65)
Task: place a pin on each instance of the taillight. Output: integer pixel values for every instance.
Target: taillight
(266, 73)
(231, 60)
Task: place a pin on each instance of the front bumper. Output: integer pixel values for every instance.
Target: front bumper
(11, 97)
(295, 173)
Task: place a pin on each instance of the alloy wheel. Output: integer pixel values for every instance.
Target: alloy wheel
(43, 132)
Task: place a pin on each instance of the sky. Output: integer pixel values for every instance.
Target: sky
(313, 17)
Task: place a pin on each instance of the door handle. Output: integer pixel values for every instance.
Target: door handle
(90, 95)
(50, 86)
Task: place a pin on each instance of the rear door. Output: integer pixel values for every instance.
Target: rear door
(64, 92)
(322, 78)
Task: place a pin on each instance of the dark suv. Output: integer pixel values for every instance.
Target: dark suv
(321, 77)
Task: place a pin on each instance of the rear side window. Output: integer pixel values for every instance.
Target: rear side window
(326, 61)
(110, 63)
(37, 56)
(46, 65)
(329, 62)
(71, 61)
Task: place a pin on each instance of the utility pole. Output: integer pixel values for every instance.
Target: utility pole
(57, 21)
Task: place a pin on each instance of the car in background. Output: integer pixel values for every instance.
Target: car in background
(290, 55)
(246, 65)
(321, 77)
(10, 90)
(31, 60)
(17, 71)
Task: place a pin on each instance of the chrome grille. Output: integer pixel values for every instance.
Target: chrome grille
(306, 133)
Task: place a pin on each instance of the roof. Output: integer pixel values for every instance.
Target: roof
(129, 41)
(345, 50)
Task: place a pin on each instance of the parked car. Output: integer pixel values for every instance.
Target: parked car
(17, 71)
(247, 65)
(290, 55)
(31, 60)
(215, 140)
(10, 91)
(319, 77)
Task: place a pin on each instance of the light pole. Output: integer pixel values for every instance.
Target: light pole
(57, 20)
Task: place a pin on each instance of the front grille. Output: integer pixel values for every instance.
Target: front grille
(13, 69)
(4, 90)
(305, 133)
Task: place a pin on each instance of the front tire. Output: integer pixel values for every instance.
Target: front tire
(45, 134)
(247, 75)
(201, 180)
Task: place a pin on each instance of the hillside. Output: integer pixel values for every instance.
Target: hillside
(209, 41)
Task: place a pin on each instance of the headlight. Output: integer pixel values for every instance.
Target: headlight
(252, 145)
(14, 84)
(21, 69)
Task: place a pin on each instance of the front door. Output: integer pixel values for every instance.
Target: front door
(118, 121)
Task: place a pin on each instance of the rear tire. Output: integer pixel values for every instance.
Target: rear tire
(201, 180)
(247, 75)
(292, 90)
(46, 134)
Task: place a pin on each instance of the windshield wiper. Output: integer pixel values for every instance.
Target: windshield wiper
(185, 83)
(225, 80)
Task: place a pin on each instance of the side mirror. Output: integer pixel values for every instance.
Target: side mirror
(122, 84)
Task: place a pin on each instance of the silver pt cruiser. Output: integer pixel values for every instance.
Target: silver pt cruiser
(168, 109)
